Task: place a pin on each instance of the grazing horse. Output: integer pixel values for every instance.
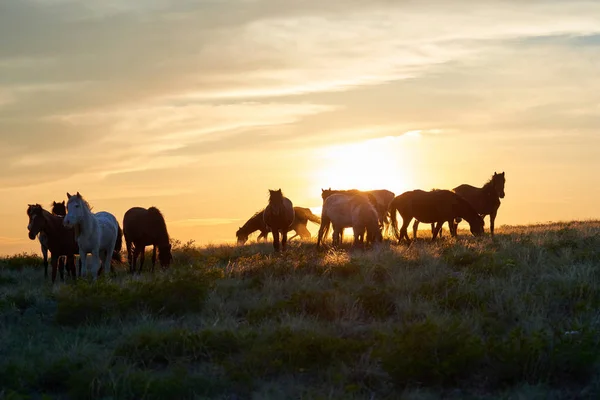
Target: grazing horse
(96, 233)
(146, 227)
(485, 200)
(349, 211)
(278, 217)
(437, 206)
(256, 223)
(380, 198)
(57, 239)
(58, 209)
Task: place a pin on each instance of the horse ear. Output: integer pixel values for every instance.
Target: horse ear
(502, 173)
(279, 191)
(68, 195)
(63, 202)
(78, 195)
(495, 173)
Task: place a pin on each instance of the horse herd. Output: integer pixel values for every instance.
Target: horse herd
(73, 228)
(375, 211)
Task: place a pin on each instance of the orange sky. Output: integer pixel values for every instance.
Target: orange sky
(199, 108)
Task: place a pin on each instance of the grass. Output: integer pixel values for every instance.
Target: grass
(516, 317)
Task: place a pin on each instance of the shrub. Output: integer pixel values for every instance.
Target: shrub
(432, 354)
(177, 293)
(161, 348)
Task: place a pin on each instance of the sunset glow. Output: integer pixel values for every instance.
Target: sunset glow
(199, 108)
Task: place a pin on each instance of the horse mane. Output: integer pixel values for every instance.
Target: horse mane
(158, 220)
(32, 207)
(84, 202)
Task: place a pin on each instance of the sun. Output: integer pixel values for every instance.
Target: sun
(382, 163)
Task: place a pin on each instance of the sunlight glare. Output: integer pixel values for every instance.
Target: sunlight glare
(381, 163)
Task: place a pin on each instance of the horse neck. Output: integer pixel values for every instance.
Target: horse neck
(53, 226)
(162, 236)
(255, 223)
(489, 190)
(87, 223)
(468, 212)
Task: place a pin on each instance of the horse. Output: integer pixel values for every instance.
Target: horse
(437, 206)
(301, 217)
(380, 198)
(57, 239)
(146, 227)
(96, 233)
(256, 223)
(349, 211)
(278, 217)
(58, 209)
(486, 199)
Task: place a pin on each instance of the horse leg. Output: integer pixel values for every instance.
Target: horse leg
(451, 228)
(415, 228)
(54, 262)
(142, 253)
(275, 239)
(45, 254)
(404, 229)
(95, 267)
(83, 263)
(440, 231)
(128, 244)
(284, 239)
(438, 226)
(109, 253)
(492, 219)
(153, 257)
(71, 267)
(61, 267)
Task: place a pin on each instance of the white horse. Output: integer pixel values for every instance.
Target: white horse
(349, 211)
(96, 233)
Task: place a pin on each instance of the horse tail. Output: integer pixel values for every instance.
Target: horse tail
(393, 208)
(323, 229)
(118, 245)
(312, 217)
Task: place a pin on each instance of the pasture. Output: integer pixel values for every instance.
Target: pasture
(466, 317)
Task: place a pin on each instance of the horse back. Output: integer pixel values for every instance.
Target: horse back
(481, 201)
(337, 209)
(136, 226)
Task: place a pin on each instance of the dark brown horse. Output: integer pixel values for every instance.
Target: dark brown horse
(60, 241)
(437, 206)
(485, 200)
(60, 210)
(146, 227)
(256, 223)
(278, 216)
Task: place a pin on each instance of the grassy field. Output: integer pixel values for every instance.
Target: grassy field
(517, 317)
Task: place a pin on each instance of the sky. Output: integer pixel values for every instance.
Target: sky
(198, 107)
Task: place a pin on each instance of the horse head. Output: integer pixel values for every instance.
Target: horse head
(59, 209)
(36, 220)
(276, 201)
(75, 210)
(498, 181)
(476, 226)
(164, 255)
(241, 236)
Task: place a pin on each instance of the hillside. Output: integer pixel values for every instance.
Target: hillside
(464, 318)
